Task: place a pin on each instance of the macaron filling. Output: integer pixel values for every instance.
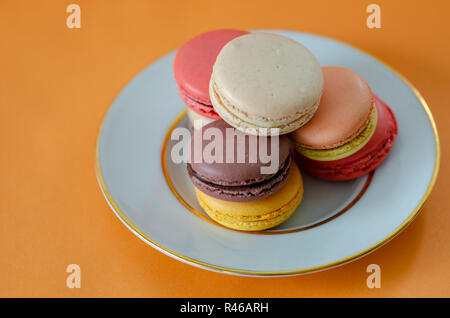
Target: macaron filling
(197, 106)
(241, 193)
(346, 149)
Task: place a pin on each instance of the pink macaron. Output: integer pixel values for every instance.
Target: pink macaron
(193, 66)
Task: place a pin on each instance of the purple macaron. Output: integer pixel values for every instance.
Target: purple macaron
(238, 181)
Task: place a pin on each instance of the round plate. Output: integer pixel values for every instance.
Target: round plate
(336, 222)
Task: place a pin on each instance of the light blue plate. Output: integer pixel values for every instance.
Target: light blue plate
(336, 222)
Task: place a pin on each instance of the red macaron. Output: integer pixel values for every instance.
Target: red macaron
(193, 66)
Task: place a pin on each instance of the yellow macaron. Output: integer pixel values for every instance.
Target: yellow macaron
(260, 214)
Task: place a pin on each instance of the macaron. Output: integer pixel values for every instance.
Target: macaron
(234, 189)
(351, 133)
(262, 81)
(257, 215)
(193, 67)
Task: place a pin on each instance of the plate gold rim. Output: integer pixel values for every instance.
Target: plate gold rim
(343, 261)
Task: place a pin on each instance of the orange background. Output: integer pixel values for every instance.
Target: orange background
(57, 83)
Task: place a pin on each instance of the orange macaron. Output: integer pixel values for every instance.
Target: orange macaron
(344, 111)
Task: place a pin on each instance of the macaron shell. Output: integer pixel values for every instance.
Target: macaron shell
(343, 112)
(201, 109)
(194, 61)
(267, 80)
(363, 161)
(257, 215)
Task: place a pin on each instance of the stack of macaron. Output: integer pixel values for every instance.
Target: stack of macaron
(239, 194)
(266, 86)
